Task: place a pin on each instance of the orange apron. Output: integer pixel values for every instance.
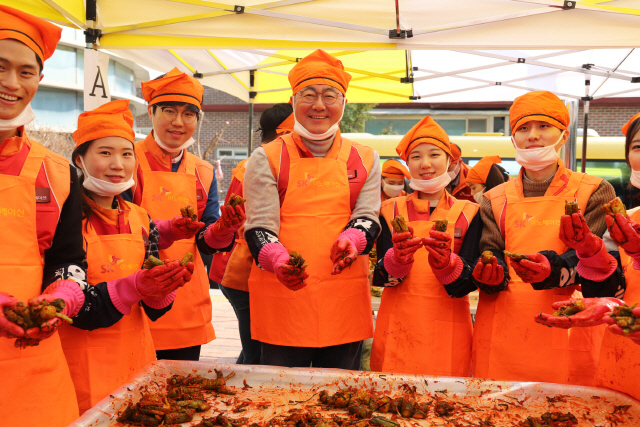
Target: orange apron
(102, 360)
(36, 385)
(188, 323)
(238, 269)
(420, 329)
(330, 310)
(507, 343)
(619, 366)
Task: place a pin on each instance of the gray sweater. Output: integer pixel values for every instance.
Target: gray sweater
(263, 200)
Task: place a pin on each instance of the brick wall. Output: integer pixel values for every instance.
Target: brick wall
(608, 119)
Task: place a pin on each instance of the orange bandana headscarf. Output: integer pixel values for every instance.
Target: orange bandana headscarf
(286, 126)
(479, 173)
(319, 68)
(456, 155)
(394, 169)
(426, 131)
(625, 128)
(111, 119)
(174, 86)
(539, 105)
(39, 35)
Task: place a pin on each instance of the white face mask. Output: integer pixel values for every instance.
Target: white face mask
(26, 117)
(635, 178)
(537, 159)
(303, 132)
(431, 185)
(392, 190)
(478, 196)
(168, 149)
(104, 188)
(454, 173)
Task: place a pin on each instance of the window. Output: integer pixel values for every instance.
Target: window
(232, 153)
(477, 125)
(498, 125)
(121, 78)
(57, 107)
(61, 67)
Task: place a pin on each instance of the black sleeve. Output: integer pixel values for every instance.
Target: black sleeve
(469, 253)
(613, 286)
(494, 289)
(381, 277)
(257, 238)
(206, 249)
(98, 311)
(66, 252)
(155, 313)
(152, 248)
(369, 228)
(127, 195)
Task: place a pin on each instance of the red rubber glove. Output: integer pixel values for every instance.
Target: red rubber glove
(439, 247)
(405, 245)
(533, 270)
(220, 234)
(491, 274)
(162, 280)
(575, 233)
(293, 282)
(274, 257)
(42, 332)
(634, 336)
(624, 233)
(345, 249)
(184, 228)
(8, 329)
(593, 315)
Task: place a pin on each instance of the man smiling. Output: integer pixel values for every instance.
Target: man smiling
(317, 193)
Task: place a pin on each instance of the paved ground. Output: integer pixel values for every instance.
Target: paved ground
(226, 347)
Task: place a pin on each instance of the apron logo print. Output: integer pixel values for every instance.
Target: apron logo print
(307, 179)
(106, 268)
(163, 192)
(521, 223)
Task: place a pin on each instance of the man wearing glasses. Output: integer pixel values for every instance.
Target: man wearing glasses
(168, 178)
(316, 193)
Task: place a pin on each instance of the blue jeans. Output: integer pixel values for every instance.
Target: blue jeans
(250, 354)
(343, 356)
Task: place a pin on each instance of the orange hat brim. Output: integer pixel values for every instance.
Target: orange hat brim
(627, 125)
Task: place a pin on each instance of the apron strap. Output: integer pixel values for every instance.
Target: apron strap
(142, 158)
(345, 150)
(574, 184)
(511, 191)
(135, 222)
(452, 218)
(291, 147)
(188, 163)
(33, 162)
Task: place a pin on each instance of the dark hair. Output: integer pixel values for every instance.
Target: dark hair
(631, 133)
(497, 175)
(271, 118)
(39, 63)
(81, 151)
(166, 104)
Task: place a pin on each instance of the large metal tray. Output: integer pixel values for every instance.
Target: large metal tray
(282, 387)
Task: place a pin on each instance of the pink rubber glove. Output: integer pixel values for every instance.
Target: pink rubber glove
(8, 329)
(533, 270)
(439, 247)
(491, 274)
(575, 233)
(176, 228)
(162, 280)
(274, 257)
(624, 232)
(593, 315)
(405, 245)
(345, 249)
(613, 327)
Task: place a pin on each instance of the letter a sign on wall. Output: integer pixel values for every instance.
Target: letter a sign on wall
(96, 81)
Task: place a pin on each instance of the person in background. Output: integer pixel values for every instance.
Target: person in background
(485, 175)
(167, 179)
(424, 323)
(317, 193)
(392, 181)
(526, 216)
(232, 269)
(118, 237)
(458, 170)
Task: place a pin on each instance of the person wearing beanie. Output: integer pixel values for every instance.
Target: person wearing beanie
(424, 323)
(231, 270)
(314, 192)
(527, 216)
(168, 178)
(458, 170)
(485, 175)
(618, 367)
(42, 251)
(118, 237)
(392, 181)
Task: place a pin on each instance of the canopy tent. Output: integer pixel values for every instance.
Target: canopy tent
(246, 47)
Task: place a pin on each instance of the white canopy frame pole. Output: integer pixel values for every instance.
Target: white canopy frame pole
(569, 149)
(252, 99)
(586, 99)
